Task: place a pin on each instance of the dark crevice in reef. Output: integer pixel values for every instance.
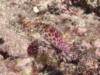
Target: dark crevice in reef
(83, 4)
(4, 54)
(47, 68)
(51, 70)
(1, 41)
(75, 62)
(54, 9)
(86, 7)
(56, 72)
(97, 11)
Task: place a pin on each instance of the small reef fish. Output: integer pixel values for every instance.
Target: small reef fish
(49, 32)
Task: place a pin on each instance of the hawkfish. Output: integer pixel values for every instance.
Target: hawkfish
(49, 32)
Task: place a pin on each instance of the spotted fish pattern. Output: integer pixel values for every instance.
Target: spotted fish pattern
(49, 32)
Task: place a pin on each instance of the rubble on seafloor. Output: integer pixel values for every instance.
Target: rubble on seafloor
(49, 37)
